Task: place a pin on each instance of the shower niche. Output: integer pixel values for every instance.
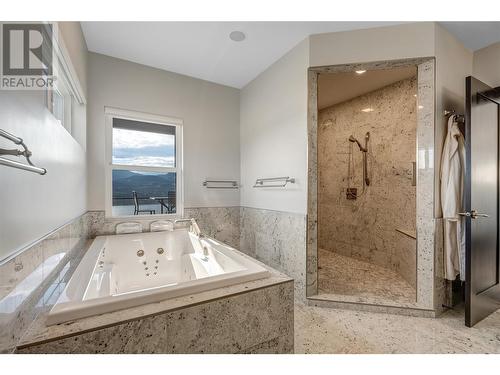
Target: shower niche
(366, 162)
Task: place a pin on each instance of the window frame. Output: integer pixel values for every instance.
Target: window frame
(65, 78)
(111, 113)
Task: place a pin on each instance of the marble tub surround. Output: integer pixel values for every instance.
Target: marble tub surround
(365, 228)
(221, 223)
(273, 237)
(250, 317)
(425, 252)
(31, 281)
(277, 239)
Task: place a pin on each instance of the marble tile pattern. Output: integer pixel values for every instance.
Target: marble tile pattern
(347, 276)
(276, 239)
(425, 172)
(256, 321)
(221, 223)
(312, 185)
(443, 293)
(365, 228)
(426, 180)
(341, 331)
(370, 304)
(30, 281)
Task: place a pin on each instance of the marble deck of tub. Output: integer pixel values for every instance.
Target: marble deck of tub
(39, 332)
(340, 331)
(256, 321)
(29, 280)
(346, 276)
(426, 253)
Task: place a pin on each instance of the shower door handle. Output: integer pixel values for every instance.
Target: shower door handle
(473, 214)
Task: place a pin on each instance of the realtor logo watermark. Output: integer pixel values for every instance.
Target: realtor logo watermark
(27, 56)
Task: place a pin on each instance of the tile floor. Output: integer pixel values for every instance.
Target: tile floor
(342, 275)
(325, 330)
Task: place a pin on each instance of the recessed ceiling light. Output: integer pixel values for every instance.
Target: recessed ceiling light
(366, 110)
(360, 71)
(237, 36)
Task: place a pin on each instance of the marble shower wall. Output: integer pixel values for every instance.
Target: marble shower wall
(277, 239)
(32, 281)
(365, 228)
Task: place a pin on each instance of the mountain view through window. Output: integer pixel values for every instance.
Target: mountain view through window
(143, 177)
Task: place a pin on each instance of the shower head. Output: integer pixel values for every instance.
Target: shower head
(354, 140)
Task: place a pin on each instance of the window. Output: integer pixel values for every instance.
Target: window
(60, 101)
(144, 174)
(65, 100)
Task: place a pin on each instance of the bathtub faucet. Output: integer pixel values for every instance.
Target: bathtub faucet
(195, 229)
(193, 226)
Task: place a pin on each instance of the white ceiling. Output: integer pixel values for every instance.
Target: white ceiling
(474, 35)
(204, 50)
(334, 88)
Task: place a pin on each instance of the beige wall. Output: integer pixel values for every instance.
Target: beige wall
(77, 49)
(453, 65)
(487, 65)
(365, 228)
(378, 44)
(273, 133)
(210, 132)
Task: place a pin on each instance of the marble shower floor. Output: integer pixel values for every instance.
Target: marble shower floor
(326, 330)
(340, 275)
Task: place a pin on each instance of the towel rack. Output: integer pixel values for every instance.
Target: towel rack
(220, 184)
(16, 152)
(264, 182)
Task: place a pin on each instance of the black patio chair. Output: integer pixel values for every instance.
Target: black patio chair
(137, 208)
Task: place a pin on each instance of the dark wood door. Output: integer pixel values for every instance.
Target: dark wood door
(481, 201)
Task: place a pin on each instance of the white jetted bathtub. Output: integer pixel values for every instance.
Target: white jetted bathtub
(127, 270)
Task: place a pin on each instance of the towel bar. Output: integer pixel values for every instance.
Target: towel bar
(220, 184)
(15, 152)
(263, 182)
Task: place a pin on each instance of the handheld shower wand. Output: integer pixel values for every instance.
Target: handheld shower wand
(364, 150)
(354, 140)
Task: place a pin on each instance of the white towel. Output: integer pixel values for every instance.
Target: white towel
(452, 188)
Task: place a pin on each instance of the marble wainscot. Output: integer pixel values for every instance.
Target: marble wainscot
(221, 223)
(31, 280)
(277, 239)
(252, 317)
